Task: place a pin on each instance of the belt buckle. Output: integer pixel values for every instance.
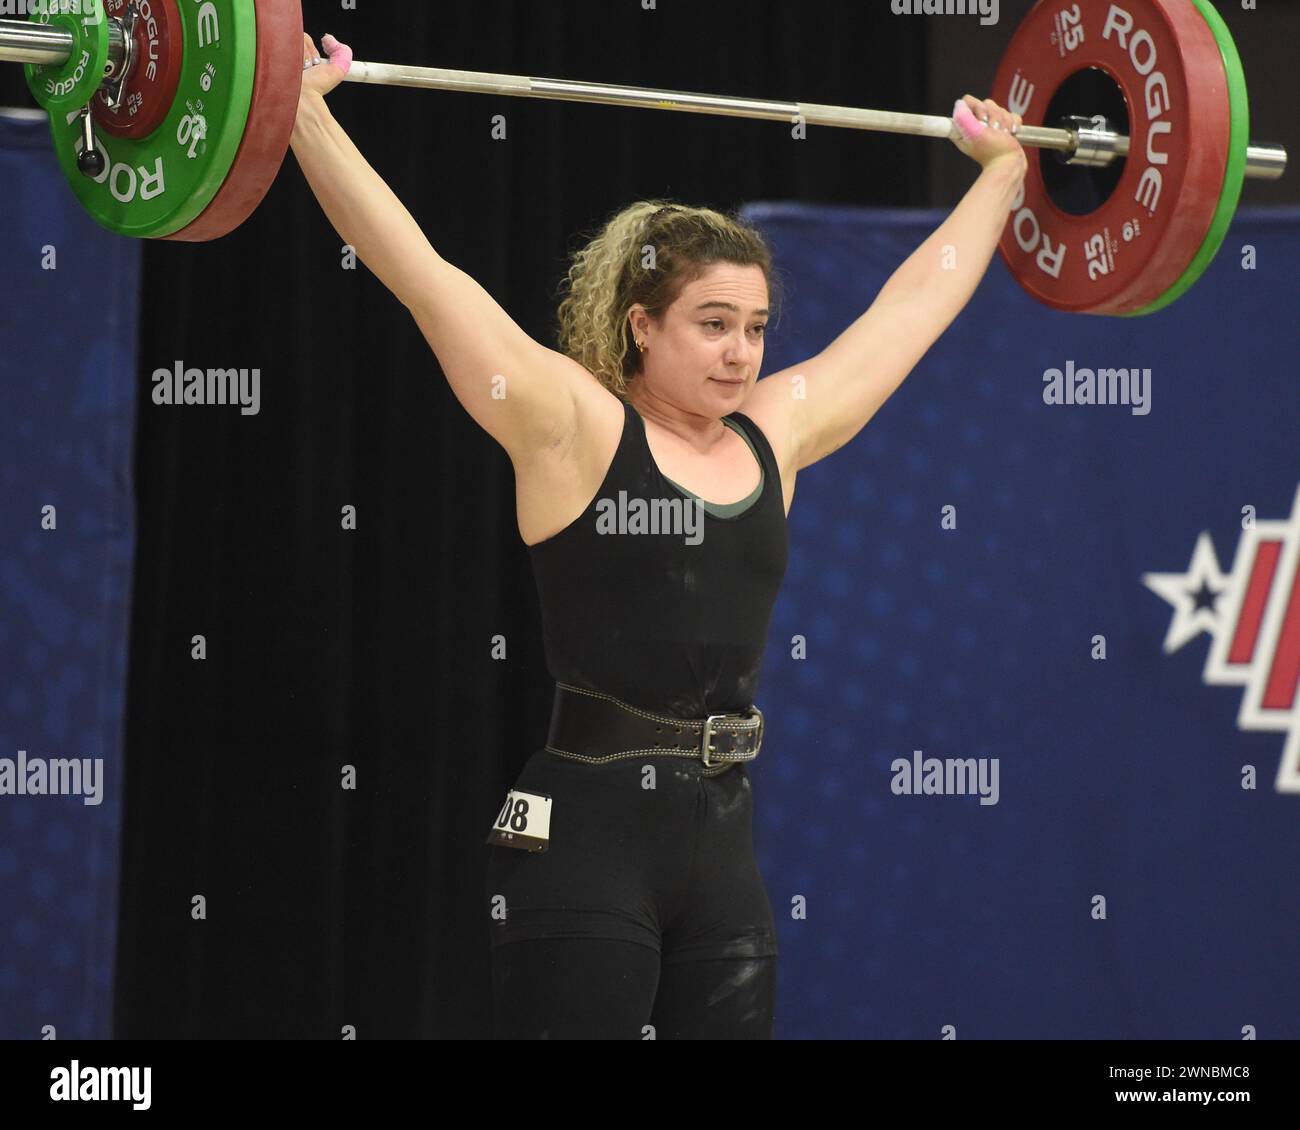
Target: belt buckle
(708, 733)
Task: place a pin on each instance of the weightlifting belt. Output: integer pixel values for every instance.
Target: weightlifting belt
(590, 726)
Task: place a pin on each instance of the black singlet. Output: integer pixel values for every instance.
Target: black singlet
(669, 626)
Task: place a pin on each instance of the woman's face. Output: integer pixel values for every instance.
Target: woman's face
(713, 334)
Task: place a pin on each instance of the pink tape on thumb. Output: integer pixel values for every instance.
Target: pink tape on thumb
(340, 53)
(967, 122)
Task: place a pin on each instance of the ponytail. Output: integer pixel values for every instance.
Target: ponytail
(645, 254)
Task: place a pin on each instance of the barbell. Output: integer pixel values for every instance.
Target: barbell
(171, 118)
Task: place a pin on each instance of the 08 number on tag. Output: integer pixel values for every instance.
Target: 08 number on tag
(523, 822)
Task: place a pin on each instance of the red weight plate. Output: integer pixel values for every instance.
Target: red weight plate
(276, 85)
(1127, 253)
(151, 88)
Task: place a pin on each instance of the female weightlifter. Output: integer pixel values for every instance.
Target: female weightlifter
(645, 914)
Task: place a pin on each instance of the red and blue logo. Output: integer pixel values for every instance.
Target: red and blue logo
(1252, 616)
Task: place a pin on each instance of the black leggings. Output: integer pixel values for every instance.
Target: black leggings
(647, 908)
(597, 989)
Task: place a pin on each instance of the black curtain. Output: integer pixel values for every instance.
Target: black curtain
(329, 648)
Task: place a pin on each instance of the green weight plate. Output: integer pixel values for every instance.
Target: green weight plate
(70, 85)
(1234, 176)
(156, 185)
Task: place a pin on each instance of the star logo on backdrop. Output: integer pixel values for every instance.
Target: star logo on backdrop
(1252, 616)
(1193, 594)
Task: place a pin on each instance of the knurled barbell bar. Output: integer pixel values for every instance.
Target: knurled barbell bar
(200, 103)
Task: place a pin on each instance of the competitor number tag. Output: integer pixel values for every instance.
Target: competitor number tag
(523, 822)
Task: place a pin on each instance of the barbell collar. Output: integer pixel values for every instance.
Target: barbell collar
(22, 42)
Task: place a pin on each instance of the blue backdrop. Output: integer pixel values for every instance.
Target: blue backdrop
(68, 310)
(1119, 777)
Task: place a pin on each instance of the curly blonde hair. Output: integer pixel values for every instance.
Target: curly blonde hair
(610, 275)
